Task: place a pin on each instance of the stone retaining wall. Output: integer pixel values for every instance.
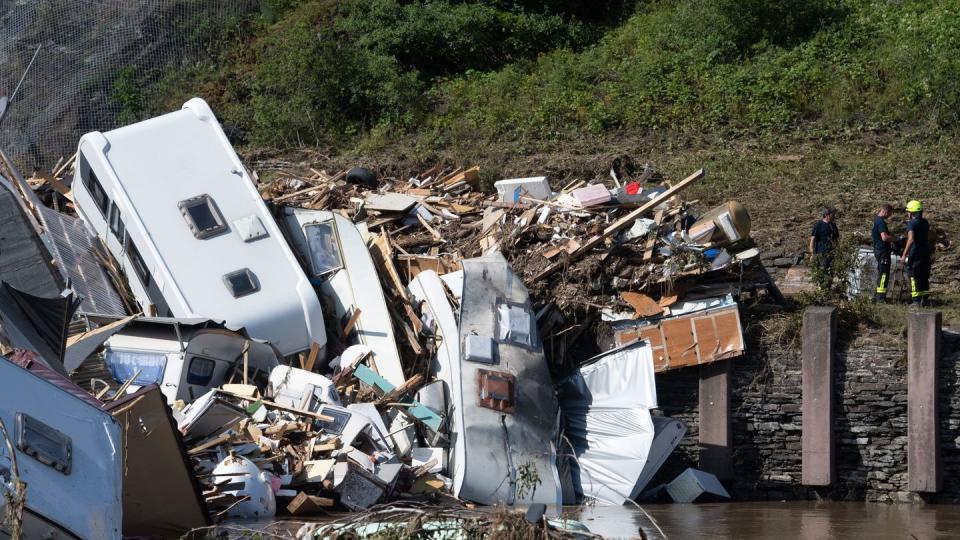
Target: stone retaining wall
(870, 427)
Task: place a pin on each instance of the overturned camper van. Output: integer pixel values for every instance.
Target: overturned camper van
(172, 202)
(501, 401)
(185, 357)
(339, 264)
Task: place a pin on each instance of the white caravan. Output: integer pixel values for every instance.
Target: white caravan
(174, 205)
(185, 357)
(68, 451)
(338, 261)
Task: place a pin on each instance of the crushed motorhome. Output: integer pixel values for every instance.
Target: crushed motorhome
(335, 255)
(175, 206)
(185, 357)
(318, 343)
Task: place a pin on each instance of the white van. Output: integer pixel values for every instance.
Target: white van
(172, 202)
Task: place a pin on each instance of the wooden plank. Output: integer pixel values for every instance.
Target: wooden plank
(246, 361)
(470, 176)
(652, 241)
(347, 328)
(297, 193)
(380, 249)
(272, 405)
(430, 229)
(216, 441)
(623, 223)
(643, 305)
(312, 356)
(306, 505)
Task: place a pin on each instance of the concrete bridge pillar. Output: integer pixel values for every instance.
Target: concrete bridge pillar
(817, 441)
(923, 422)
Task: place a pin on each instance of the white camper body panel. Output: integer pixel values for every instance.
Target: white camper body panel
(347, 280)
(87, 501)
(428, 288)
(203, 360)
(134, 188)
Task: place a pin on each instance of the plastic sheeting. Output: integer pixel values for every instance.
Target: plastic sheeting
(606, 410)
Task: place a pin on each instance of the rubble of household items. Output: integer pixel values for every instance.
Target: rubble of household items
(183, 344)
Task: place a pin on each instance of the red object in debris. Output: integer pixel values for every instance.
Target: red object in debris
(632, 188)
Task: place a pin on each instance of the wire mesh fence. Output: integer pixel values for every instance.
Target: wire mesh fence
(93, 56)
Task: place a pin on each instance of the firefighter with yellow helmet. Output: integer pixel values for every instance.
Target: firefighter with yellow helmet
(917, 252)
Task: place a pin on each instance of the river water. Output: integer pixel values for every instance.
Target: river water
(779, 521)
(807, 520)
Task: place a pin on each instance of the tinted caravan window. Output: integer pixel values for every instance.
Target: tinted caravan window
(202, 216)
(116, 222)
(200, 371)
(96, 191)
(139, 267)
(323, 247)
(241, 283)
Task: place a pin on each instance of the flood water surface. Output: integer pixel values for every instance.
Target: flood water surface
(734, 521)
(780, 521)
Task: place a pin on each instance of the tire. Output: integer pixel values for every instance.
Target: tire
(362, 176)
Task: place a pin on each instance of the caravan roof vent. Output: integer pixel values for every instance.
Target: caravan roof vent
(203, 217)
(241, 283)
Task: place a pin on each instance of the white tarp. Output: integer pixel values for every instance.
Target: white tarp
(606, 409)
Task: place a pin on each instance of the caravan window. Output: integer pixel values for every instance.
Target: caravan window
(241, 283)
(96, 191)
(203, 217)
(116, 222)
(200, 371)
(139, 267)
(125, 364)
(323, 247)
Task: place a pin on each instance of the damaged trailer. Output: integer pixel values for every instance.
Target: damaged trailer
(609, 434)
(67, 449)
(507, 410)
(175, 206)
(185, 357)
(338, 262)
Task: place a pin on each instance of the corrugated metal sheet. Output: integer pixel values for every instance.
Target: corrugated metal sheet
(95, 367)
(23, 259)
(74, 251)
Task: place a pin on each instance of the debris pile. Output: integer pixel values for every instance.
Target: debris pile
(328, 342)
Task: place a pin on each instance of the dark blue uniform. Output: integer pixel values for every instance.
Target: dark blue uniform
(882, 251)
(918, 259)
(824, 235)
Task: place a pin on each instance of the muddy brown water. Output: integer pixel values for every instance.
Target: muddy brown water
(779, 521)
(733, 521)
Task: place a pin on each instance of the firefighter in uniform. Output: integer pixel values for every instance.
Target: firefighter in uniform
(917, 252)
(882, 248)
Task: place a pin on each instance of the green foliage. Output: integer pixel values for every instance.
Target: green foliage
(310, 85)
(528, 479)
(442, 71)
(127, 94)
(730, 67)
